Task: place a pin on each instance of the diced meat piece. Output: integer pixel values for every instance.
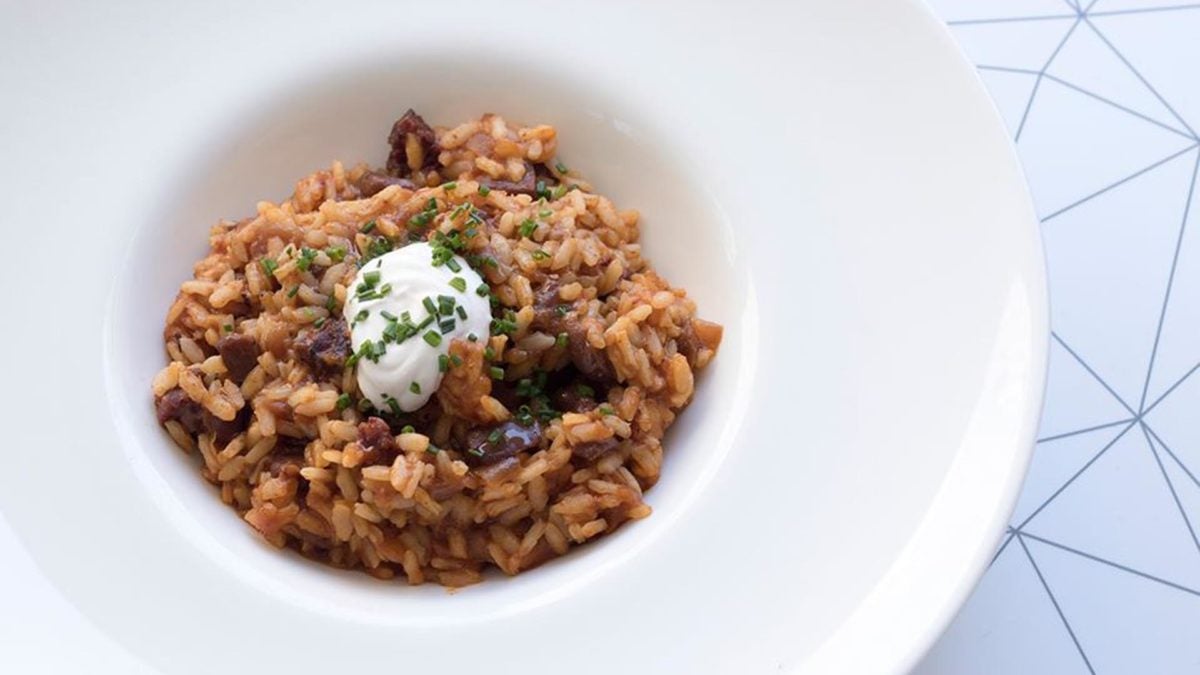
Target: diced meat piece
(224, 431)
(240, 354)
(709, 333)
(176, 405)
(687, 343)
(325, 349)
(422, 419)
(592, 363)
(498, 472)
(575, 397)
(466, 384)
(546, 301)
(373, 182)
(424, 141)
(526, 186)
(489, 445)
(378, 444)
(590, 452)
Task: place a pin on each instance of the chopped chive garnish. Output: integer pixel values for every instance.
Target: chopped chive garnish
(228, 327)
(446, 325)
(561, 340)
(292, 293)
(560, 190)
(429, 306)
(414, 387)
(394, 405)
(388, 315)
(584, 390)
(371, 278)
(453, 265)
(449, 186)
(343, 402)
(424, 323)
(496, 372)
(484, 190)
(455, 360)
(462, 313)
(305, 261)
(432, 338)
(540, 190)
(362, 315)
(539, 254)
(408, 429)
(459, 284)
(606, 409)
(495, 436)
(545, 213)
(490, 261)
(336, 253)
(475, 452)
(269, 265)
(330, 303)
(385, 289)
(562, 310)
(377, 247)
(367, 226)
(560, 167)
(482, 290)
(528, 226)
(443, 363)
(489, 353)
(319, 322)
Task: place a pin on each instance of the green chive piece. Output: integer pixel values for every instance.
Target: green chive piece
(539, 254)
(606, 409)
(394, 405)
(471, 337)
(561, 340)
(408, 429)
(495, 436)
(560, 167)
(455, 360)
(449, 186)
(269, 265)
(496, 373)
(228, 327)
(343, 402)
(292, 293)
(446, 326)
(443, 363)
(489, 353)
(429, 306)
(528, 226)
(484, 190)
(319, 322)
(414, 388)
(371, 278)
(336, 253)
(367, 226)
(432, 338)
(482, 290)
(462, 313)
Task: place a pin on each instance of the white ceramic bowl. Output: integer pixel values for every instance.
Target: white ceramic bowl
(829, 180)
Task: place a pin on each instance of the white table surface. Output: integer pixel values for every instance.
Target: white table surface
(1103, 574)
(1102, 571)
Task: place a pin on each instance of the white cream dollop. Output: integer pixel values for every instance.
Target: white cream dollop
(408, 370)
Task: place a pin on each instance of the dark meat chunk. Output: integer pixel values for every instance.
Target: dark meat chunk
(325, 349)
(576, 398)
(411, 124)
(590, 452)
(374, 182)
(240, 354)
(378, 444)
(488, 445)
(224, 431)
(422, 419)
(548, 316)
(175, 405)
(546, 301)
(526, 186)
(591, 362)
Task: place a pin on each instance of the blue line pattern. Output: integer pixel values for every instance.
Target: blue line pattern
(1103, 555)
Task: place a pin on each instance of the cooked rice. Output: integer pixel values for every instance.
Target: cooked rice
(289, 456)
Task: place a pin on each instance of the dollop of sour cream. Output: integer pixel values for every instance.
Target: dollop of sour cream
(390, 306)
